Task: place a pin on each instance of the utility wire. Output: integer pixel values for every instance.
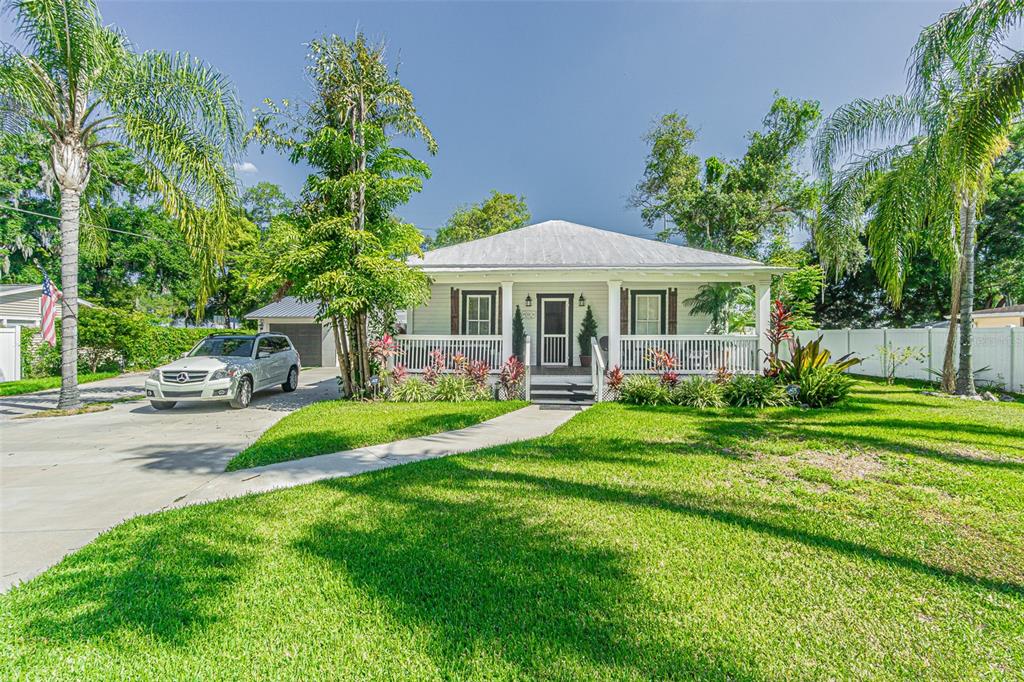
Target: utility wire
(98, 227)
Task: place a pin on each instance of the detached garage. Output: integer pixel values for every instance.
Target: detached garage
(296, 320)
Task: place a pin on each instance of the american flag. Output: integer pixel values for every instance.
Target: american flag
(48, 308)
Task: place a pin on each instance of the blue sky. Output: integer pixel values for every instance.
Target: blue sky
(551, 100)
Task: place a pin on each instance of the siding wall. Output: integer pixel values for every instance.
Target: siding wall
(434, 318)
(21, 307)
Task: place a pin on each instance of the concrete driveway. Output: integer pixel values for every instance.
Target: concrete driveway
(64, 480)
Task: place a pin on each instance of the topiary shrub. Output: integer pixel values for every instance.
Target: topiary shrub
(755, 391)
(698, 392)
(451, 388)
(641, 389)
(824, 386)
(414, 390)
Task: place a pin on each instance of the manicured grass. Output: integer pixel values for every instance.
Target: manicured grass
(46, 383)
(878, 540)
(335, 425)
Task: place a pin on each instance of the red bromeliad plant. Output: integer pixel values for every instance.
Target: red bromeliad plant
(511, 378)
(665, 363)
(399, 374)
(474, 370)
(435, 367)
(383, 348)
(780, 326)
(613, 380)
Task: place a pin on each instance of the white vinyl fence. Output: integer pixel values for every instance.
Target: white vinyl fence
(998, 353)
(10, 353)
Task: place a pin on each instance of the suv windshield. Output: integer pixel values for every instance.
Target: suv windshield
(235, 347)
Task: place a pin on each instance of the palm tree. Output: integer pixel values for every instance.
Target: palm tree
(718, 301)
(926, 184)
(83, 86)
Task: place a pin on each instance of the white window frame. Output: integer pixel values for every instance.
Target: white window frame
(479, 322)
(642, 326)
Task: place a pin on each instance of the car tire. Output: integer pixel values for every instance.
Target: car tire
(162, 404)
(243, 395)
(292, 382)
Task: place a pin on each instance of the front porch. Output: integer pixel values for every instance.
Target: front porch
(473, 316)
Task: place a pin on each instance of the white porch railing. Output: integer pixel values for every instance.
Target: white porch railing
(597, 368)
(416, 349)
(697, 354)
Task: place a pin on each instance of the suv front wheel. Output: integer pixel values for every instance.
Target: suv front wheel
(243, 396)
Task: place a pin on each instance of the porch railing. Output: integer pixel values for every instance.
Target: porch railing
(415, 349)
(597, 368)
(697, 354)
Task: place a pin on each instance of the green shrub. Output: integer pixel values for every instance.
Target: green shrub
(38, 358)
(755, 391)
(824, 386)
(451, 388)
(412, 390)
(698, 392)
(641, 389)
(160, 345)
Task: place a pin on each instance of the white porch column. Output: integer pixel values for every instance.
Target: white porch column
(506, 320)
(763, 302)
(614, 292)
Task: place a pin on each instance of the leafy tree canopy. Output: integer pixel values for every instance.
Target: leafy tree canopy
(748, 207)
(498, 213)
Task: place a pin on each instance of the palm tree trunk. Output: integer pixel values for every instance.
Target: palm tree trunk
(956, 280)
(965, 376)
(70, 207)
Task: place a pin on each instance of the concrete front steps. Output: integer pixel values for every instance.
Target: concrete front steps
(571, 391)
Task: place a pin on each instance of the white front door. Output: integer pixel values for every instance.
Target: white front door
(554, 332)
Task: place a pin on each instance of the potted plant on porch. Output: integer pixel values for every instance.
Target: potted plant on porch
(588, 330)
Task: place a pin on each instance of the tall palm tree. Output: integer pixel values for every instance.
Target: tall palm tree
(82, 84)
(924, 177)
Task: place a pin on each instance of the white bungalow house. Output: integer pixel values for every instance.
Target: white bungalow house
(552, 271)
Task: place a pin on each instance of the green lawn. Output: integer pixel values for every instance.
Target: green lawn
(335, 425)
(45, 383)
(878, 540)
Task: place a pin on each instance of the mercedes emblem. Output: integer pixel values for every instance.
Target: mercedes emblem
(182, 377)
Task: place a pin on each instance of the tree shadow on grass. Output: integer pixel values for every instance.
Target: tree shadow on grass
(931, 440)
(497, 583)
(285, 444)
(164, 575)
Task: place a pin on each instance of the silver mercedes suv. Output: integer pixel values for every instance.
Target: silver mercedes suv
(226, 368)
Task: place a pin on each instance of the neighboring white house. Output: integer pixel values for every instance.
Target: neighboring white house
(552, 271)
(19, 305)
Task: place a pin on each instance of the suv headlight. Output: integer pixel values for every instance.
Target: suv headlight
(219, 374)
(155, 375)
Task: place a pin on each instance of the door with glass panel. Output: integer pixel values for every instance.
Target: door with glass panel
(554, 332)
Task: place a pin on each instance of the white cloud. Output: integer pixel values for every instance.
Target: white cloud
(246, 167)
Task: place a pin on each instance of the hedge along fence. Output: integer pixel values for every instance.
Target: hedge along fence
(114, 339)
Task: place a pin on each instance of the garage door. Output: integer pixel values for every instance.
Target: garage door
(306, 339)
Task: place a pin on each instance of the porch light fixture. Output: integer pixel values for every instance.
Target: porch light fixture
(529, 301)
(583, 300)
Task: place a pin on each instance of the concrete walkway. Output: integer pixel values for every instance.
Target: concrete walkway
(529, 422)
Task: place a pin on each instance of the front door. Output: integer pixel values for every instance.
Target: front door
(554, 332)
